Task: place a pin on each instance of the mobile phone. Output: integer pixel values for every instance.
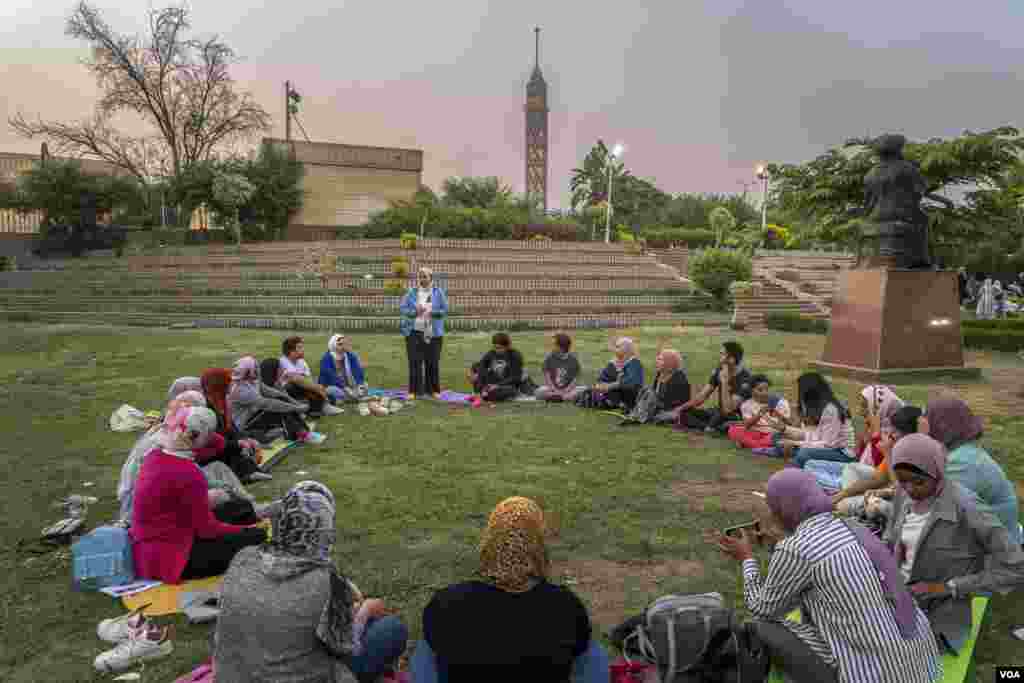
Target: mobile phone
(735, 531)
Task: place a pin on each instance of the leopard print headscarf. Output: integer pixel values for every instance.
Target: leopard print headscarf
(513, 555)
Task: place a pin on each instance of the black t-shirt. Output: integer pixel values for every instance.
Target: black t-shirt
(500, 368)
(479, 632)
(740, 382)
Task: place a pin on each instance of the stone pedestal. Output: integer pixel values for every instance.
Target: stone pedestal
(889, 323)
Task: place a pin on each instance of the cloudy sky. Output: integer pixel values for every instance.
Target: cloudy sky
(699, 91)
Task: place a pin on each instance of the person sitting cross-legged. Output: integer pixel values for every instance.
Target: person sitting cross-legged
(947, 546)
(295, 377)
(341, 371)
(511, 623)
(730, 382)
(288, 614)
(861, 624)
(561, 370)
(621, 380)
(758, 411)
(262, 410)
(498, 375)
(827, 432)
(670, 389)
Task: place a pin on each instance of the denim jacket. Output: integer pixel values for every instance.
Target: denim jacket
(439, 310)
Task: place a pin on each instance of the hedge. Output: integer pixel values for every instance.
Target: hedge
(786, 321)
(1004, 324)
(460, 223)
(995, 340)
(662, 238)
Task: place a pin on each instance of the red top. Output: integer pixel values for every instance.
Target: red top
(171, 510)
(211, 450)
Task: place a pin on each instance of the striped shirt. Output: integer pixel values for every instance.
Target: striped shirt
(847, 619)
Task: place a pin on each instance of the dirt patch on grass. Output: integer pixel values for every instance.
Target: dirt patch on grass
(1001, 397)
(607, 585)
(730, 494)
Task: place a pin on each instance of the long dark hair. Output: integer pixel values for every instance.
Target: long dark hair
(815, 395)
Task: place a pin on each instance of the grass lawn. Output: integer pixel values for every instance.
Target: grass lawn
(629, 506)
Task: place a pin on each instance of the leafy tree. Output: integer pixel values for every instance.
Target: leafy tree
(828, 191)
(57, 189)
(231, 191)
(180, 86)
(722, 222)
(276, 177)
(476, 193)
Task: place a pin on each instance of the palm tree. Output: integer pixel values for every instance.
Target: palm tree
(589, 183)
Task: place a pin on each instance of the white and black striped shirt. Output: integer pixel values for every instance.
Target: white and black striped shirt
(847, 620)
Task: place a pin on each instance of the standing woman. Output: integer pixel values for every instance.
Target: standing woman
(423, 311)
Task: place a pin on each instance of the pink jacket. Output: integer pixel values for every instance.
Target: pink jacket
(171, 510)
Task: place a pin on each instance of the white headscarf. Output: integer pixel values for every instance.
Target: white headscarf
(334, 346)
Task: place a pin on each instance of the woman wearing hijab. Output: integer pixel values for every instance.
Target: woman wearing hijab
(986, 308)
(288, 614)
(257, 408)
(948, 548)
(669, 390)
(622, 379)
(828, 427)
(877, 405)
(861, 623)
(950, 421)
(146, 443)
(341, 372)
(237, 453)
(510, 622)
(175, 535)
(423, 311)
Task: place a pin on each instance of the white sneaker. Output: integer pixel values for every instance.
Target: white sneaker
(142, 645)
(330, 409)
(315, 438)
(118, 629)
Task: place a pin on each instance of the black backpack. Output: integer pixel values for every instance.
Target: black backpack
(694, 639)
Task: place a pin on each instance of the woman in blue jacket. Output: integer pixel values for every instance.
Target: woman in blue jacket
(622, 379)
(423, 311)
(341, 372)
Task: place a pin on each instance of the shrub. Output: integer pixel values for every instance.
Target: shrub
(8, 263)
(994, 339)
(394, 287)
(786, 321)
(408, 240)
(400, 268)
(1004, 324)
(558, 232)
(714, 270)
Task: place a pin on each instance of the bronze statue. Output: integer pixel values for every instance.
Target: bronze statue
(894, 228)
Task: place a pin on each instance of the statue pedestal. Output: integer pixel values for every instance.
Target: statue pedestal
(889, 323)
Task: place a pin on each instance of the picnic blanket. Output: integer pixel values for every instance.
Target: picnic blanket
(954, 668)
(273, 454)
(388, 393)
(455, 397)
(163, 599)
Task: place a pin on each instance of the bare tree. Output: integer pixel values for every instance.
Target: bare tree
(180, 86)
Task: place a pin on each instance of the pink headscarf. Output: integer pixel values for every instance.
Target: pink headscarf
(882, 401)
(185, 430)
(246, 371)
(951, 422)
(923, 453)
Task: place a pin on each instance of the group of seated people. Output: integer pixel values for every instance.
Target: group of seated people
(880, 606)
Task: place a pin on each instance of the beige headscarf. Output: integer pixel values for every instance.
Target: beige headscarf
(513, 555)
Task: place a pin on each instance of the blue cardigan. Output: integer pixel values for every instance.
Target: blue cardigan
(632, 374)
(439, 311)
(329, 376)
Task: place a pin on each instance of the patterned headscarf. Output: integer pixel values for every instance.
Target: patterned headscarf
(951, 422)
(186, 429)
(216, 382)
(513, 555)
(304, 534)
(334, 346)
(883, 402)
(246, 371)
(183, 384)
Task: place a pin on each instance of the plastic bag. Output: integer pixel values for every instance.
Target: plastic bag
(128, 419)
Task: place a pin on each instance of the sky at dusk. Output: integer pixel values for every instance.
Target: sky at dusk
(699, 92)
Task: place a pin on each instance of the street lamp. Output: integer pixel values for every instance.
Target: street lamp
(762, 175)
(612, 157)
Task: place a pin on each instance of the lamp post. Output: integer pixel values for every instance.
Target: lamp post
(612, 157)
(762, 175)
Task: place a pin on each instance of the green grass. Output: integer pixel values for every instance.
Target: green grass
(413, 489)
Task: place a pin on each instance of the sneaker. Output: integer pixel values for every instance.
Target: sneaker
(118, 629)
(142, 645)
(315, 438)
(330, 410)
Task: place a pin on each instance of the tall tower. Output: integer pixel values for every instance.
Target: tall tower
(537, 132)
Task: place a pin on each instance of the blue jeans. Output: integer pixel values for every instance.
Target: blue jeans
(803, 455)
(383, 643)
(829, 473)
(589, 667)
